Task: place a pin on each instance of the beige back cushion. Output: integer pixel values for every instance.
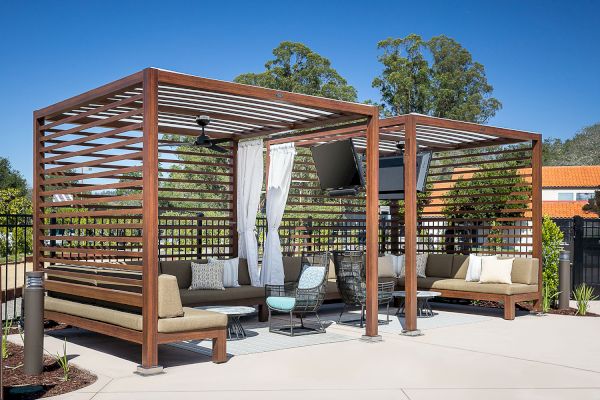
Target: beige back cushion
(385, 267)
(169, 301)
(460, 265)
(243, 274)
(525, 270)
(291, 268)
(439, 265)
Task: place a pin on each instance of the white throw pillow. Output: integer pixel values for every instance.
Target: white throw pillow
(207, 276)
(495, 270)
(421, 265)
(474, 268)
(385, 267)
(399, 265)
(230, 272)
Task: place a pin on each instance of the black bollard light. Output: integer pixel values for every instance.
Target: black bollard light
(33, 297)
(564, 279)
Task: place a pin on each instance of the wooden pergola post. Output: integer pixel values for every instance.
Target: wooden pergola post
(150, 221)
(410, 225)
(372, 225)
(536, 211)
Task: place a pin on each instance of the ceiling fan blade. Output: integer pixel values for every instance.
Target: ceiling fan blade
(219, 149)
(222, 140)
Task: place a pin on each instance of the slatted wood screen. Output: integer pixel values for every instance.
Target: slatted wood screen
(196, 202)
(488, 212)
(90, 198)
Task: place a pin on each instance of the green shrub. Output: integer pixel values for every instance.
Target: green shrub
(583, 294)
(552, 238)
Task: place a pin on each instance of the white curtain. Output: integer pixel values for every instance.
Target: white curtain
(249, 184)
(280, 176)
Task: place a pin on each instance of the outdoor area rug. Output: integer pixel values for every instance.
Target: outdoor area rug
(260, 340)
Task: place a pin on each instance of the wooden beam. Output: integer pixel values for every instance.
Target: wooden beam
(410, 223)
(278, 96)
(372, 221)
(89, 96)
(150, 221)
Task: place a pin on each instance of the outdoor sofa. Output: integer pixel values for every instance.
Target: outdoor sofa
(176, 322)
(445, 273)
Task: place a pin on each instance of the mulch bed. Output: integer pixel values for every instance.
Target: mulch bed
(18, 386)
(526, 306)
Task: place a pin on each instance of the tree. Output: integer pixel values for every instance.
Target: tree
(11, 178)
(296, 68)
(581, 149)
(436, 77)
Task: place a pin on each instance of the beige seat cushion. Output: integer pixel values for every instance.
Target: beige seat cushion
(169, 302)
(202, 297)
(460, 266)
(430, 283)
(192, 320)
(439, 265)
(102, 314)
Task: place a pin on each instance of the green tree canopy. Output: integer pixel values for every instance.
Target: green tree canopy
(581, 149)
(437, 77)
(11, 178)
(296, 68)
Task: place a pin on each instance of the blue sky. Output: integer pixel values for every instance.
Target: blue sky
(542, 57)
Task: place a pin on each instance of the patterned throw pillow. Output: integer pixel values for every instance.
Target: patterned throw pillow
(421, 265)
(207, 276)
(230, 271)
(311, 277)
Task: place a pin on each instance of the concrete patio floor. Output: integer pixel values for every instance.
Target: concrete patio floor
(532, 357)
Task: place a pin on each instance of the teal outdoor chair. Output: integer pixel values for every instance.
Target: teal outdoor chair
(300, 298)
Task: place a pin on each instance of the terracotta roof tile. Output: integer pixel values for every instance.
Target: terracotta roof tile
(584, 176)
(566, 209)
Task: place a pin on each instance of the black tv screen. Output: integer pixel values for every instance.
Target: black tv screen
(338, 166)
(391, 175)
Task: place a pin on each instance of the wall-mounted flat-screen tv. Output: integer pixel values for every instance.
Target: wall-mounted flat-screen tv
(338, 167)
(391, 175)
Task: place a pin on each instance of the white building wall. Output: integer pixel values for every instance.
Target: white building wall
(553, 194)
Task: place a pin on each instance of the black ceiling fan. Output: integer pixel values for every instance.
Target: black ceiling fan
(203, 140)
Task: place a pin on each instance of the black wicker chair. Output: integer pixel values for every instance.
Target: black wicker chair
(300, 298)
(350, 276)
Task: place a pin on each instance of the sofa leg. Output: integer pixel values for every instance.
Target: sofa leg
(509, 308)
(263, 313)
(537, 305)
(219, 347)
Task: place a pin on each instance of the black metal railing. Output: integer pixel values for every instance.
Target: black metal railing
(15, 255)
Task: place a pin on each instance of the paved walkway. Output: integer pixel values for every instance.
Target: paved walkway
(548, 357)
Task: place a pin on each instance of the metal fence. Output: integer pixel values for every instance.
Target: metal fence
(15, 254)
(582, 238)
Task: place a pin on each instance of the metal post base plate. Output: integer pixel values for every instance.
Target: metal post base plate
(371, 339)
(149, 371)
(416, 332)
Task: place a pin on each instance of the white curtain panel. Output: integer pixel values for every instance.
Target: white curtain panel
(250, 172)
(280, 176)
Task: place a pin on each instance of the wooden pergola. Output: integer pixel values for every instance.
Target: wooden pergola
(101, 172)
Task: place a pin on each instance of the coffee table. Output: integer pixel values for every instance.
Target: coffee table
(235, 330)
(423, 307)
